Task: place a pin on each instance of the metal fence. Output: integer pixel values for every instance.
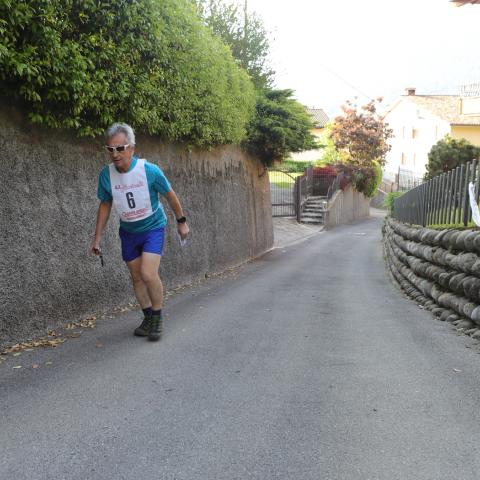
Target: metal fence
(401, 180)
(290, 191)
(406, 180)
(282, 192)
(443, 200)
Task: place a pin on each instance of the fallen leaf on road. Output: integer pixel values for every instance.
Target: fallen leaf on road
(99, 345)
(48, 363)
(27, 346)
(89, 322)
(35, 365)
(17, 366)
(456, 370)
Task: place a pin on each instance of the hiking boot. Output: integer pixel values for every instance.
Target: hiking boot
(156, 326)
(144, 329)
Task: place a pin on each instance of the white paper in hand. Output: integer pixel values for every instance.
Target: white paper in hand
(182, 241)
(473, 204)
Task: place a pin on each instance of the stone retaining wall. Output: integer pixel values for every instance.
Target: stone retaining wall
(378, 200)
(346, 206)
(47, 219)
(439, 269)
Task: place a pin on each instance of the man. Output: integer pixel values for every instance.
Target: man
(132, 185)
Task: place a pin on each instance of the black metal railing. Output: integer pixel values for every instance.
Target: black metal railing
(443, 200)
(302, 186)
(313, 183)
(335, 185)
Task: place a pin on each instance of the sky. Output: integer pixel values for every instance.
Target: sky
(330, 51)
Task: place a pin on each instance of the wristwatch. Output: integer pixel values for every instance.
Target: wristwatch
(181, 220)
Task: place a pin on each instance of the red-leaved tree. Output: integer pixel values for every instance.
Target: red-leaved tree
(361, 134)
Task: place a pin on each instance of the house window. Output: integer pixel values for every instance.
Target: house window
(403, 160)
(414, 133)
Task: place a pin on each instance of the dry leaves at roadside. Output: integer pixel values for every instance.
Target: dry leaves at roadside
(40, 342)
(90, 322)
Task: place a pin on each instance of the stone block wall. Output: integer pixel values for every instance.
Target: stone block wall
(439, 269)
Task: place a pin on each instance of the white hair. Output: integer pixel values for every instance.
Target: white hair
(112, 130)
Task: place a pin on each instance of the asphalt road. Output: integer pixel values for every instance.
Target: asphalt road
(305, 364)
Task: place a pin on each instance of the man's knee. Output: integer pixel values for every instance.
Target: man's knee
(149, 276)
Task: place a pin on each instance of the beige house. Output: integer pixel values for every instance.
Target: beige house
(320, 119)
(420, 121)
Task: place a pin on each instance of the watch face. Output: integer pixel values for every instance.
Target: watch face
(181, 220)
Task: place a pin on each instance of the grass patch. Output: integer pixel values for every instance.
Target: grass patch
(283, 180)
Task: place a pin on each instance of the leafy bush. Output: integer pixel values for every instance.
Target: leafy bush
(152, 64)
(294, 166)
(448, 154)
(325, 171)
(389, 199)
(365, 179)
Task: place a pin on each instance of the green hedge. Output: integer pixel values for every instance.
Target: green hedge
(295, 166)
(150, 63)
(390, 199)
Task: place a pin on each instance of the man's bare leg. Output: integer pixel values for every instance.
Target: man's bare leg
(151, 279)
(139, 287)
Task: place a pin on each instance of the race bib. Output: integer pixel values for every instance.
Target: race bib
(130, 193)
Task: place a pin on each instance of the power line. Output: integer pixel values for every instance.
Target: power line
(345, 81)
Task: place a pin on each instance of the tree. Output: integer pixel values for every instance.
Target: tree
(448, 154)
(361, 134)
(244, 33)
(281, 125)
(330, 155)
(360, 138)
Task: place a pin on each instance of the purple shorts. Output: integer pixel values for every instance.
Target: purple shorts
(134, 244)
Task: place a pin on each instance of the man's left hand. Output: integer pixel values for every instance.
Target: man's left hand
(183, 230)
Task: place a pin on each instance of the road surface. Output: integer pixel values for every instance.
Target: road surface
(304, 364)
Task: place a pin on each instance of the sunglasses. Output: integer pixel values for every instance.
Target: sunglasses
(120, 148)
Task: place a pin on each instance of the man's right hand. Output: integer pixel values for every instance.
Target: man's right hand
(95, 248)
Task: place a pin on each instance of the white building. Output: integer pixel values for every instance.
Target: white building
(420, 121)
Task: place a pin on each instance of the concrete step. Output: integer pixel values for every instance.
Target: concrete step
(312, 214)
(317, 197)
(313, 209)
(311, 220)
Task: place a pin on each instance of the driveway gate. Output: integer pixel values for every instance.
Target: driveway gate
(282, 191)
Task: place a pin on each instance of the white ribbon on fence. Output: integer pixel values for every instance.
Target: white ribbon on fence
(473, 204)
